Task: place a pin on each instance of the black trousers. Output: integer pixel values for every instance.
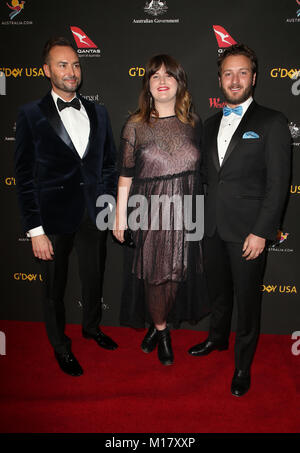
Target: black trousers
(90, 246)
(230, 276)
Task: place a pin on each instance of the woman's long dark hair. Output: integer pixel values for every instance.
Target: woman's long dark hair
(183, 103)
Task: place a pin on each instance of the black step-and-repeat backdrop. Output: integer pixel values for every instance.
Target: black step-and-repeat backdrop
(114, 40)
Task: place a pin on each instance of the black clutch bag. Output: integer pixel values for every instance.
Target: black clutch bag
(128, 238)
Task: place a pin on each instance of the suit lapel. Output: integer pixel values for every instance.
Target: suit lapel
(91, 112)
(214, 138)
(237, 136)
(48, 108)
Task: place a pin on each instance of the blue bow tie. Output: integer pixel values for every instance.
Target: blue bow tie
(237, 110)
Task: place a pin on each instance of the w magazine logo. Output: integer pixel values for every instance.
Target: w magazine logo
(156, 7)
(215, 103)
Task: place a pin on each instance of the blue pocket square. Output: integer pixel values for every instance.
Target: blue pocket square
(250, 134)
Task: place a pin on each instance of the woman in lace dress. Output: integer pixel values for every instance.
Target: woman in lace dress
(160, 160)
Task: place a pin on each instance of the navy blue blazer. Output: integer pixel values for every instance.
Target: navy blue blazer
(54, 184)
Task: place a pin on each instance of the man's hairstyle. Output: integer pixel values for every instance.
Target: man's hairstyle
(238, 49)
(55, 41)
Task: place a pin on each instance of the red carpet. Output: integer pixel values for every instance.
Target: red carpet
(127, 391)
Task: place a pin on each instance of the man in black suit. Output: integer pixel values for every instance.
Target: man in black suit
(247, 166)
(65, 159)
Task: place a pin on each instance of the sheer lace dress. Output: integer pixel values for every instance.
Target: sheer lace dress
(163, 274)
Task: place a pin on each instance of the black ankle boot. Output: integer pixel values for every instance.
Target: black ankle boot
(165, 353)
(150, 340)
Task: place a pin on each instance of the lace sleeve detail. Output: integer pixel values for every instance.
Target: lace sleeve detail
(127, 150)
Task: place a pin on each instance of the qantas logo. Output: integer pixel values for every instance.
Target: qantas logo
(223, 37)
(86, 47)
(82, 40)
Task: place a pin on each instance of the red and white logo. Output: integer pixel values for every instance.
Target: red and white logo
(82, 40)
(223, 37)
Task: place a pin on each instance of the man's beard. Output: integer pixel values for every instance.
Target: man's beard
(242, 98)
(62, 86)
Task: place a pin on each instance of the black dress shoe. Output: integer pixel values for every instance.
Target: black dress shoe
(101, 339)
(207, 347)
(240, 382)
(150, 340)
(68, 363)
(165, 353)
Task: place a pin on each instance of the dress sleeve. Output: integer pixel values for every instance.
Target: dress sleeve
(127, 150)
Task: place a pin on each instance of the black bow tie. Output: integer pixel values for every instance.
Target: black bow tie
(75, 103)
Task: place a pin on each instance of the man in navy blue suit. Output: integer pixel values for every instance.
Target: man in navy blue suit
(65, 159)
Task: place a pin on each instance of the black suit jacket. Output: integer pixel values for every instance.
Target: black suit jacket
(248, 192)
(54, 184)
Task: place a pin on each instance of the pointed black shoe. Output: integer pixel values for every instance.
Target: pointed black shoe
(101, 339)
(240, 383)
(164, 350)
(150, 340)
(68, 363)
(207, 347)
